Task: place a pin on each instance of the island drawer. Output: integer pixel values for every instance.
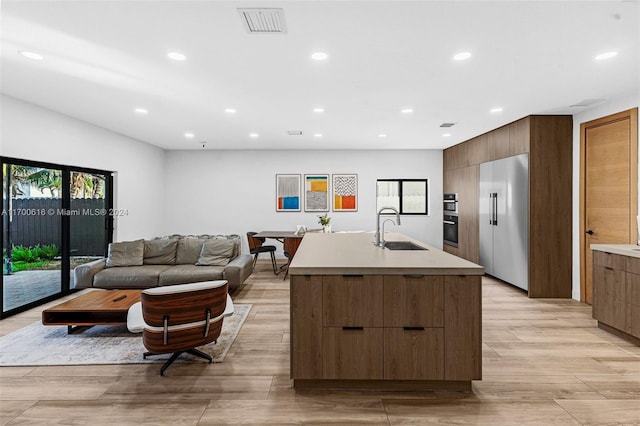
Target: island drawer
(414, 353)
(413, 301)
(352, 353)
(609, 260)
(352, 300)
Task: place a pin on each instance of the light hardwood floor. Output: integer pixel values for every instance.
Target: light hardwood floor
(544, 363)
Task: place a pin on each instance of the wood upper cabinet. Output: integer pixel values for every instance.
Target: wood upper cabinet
(519, 136)
(499, 142)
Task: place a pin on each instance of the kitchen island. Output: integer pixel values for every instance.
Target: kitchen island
(364, 317)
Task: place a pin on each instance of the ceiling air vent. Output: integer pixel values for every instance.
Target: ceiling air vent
(263, 20)
(294, 132)
(447, 124)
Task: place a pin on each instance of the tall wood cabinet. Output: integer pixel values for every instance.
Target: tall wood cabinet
(548, 141)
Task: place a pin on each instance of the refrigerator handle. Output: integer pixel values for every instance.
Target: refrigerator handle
(495, 208)
(491, 208)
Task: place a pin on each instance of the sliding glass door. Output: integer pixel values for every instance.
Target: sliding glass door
(32, 238)
(54, 218)
(90, 221)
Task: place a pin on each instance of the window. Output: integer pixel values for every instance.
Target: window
(409, 196)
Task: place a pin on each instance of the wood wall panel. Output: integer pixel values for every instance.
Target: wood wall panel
(550, 195)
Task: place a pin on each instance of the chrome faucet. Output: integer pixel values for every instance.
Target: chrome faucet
(380, 236)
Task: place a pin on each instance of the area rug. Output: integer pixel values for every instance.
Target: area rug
(37, 344)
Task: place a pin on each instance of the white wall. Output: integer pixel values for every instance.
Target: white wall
(34, 133)
(234, 191)
(622, 103)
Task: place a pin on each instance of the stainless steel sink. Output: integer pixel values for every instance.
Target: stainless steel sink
(402, 245)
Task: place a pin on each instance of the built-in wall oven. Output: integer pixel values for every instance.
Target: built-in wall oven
(450, 203)
(450, 218)
(450, 226)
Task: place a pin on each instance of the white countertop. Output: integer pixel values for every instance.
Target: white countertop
(631, 250)
(354, 253)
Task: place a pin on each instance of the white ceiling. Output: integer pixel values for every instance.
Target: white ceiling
(103, 59)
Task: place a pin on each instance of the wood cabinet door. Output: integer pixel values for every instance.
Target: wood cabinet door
(352, 353)
(632, 296)
(609, 305)
(306, 327)
(352, 300)
(463, 327)
(499, 142)
(519, 136)
(414, 353)
(413, 301)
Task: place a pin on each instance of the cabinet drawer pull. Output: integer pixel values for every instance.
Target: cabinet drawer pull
(352, 328)
(414, 276)
(609, 268)
(413, 328)
(352, 276)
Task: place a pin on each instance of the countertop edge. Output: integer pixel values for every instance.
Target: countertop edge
(630, 250)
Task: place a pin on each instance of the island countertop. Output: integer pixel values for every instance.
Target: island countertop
(355, 253)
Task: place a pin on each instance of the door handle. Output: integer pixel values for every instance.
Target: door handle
(589, 231)
(491, 201)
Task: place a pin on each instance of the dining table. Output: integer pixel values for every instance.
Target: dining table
(290, 241)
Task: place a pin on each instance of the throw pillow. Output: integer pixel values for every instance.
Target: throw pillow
(216, 253)
(160, 252)
(126, 253)
(188, 251)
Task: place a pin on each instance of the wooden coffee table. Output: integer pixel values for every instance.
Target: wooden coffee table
(93, 308)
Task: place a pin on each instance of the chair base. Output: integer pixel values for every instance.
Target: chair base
(175, 356)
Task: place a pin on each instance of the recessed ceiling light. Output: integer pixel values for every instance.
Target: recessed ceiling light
(495, 110)
(407, 111)
(176, 56)
(318, 109)
(254, 135)
(319, 56)
(141, 111)
(446, 135)
(605, 55)
(230, 110)
(382, 135)
(189, 135)
(461, 56)
(317, 135)
(31, 55)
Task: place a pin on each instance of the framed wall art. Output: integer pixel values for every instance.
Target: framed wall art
(316, 193)
(288, 193)
(345, 193)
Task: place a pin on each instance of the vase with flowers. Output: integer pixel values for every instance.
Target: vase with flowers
(325, 221)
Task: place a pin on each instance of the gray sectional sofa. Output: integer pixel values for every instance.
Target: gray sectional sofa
(175, 259)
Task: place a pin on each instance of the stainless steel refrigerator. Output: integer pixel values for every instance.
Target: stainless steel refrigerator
(504, 219)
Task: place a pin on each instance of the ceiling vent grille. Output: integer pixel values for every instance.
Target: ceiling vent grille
(447, 124)
(263, 20)
(294, 132)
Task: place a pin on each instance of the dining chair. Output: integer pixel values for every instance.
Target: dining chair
(290, 248)
(256, 246)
